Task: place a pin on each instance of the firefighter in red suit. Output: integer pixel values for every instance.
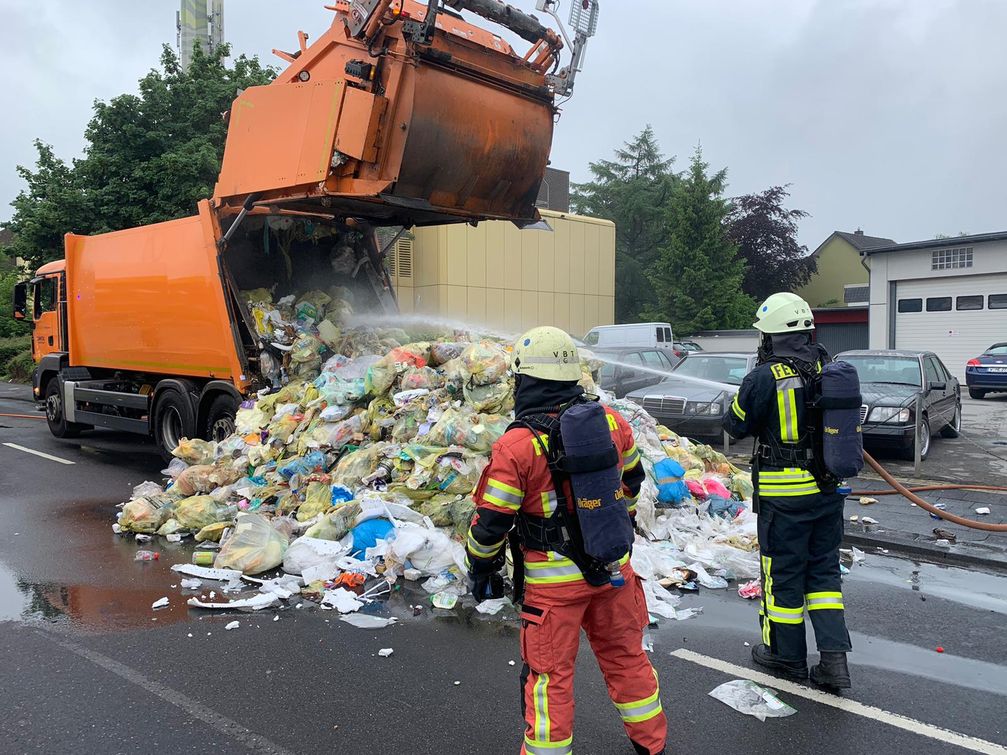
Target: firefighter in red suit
(564, 592)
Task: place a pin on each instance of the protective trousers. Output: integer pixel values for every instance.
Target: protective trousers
(614, 619)
(799, 540)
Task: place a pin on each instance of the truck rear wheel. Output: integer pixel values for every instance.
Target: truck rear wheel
(174, 419)
(54, 414)
(220, 418)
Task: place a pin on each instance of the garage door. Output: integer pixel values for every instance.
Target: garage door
(951, 316)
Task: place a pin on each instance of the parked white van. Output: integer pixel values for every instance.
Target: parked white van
(633, 334)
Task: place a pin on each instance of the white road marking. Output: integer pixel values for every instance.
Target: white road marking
(254, 742)
(848, 706)
(32, 451)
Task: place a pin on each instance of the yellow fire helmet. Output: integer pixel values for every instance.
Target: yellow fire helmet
(784, 313)
(546, 353)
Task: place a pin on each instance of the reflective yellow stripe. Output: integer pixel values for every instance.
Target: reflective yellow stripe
(736, 408)
(557, 570)
(548, 503)
(641, 710)
(789, 474)
(818, 601)
(787, 491)
(786, 400)
(500, 502)
(540, 693)
(504, 487)
(767, 581)
(482, 551)
(539, 747)
(612, 424)
(630, 459)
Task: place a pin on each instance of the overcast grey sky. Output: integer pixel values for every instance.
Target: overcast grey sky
(889, 115)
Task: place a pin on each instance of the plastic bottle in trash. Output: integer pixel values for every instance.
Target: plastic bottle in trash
(147, 556)
(615, 577)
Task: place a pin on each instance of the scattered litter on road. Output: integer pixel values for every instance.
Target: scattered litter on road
(256, 602)
(355, 468)
(159, 603)
(511, 663)
(232, 625)
(747, 697)
(948, 537)
(750, 590)
(939, 649)
(191, 584)
(867, 500)
(493, 607)
(868, 520)
(457, 682)
(366, 621)
(854, 518)
(146, 556)
(385, 652)
(983, 510)
(939, 507)
(444, 600)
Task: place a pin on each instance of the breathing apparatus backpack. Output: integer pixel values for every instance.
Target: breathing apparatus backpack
(579, 450)
(842, 438)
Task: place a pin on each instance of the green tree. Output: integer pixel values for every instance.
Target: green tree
(698, 274)
(632, 191)
(766, 234)
(148, 157)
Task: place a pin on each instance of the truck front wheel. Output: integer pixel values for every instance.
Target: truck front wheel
(54, 414)
(220, 418)
(174, 419)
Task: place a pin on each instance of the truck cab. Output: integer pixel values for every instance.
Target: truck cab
(42, 301)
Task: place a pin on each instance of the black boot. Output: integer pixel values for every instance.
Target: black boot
(792, 669)
(641, 750)
(832, 671)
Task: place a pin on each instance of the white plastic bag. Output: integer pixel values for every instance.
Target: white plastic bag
(311, 552)
(747, 697)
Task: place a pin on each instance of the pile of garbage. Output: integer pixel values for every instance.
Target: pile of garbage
(357, 468)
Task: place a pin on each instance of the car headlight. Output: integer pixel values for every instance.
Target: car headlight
(888, 414)
(704, 408)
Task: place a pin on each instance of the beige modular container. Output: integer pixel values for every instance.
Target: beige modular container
(497, 276)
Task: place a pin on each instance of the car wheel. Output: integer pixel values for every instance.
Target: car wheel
(954, 427)
(220, 418)
(977, 393)
(909, 452)
(54, 415)
(173, 420)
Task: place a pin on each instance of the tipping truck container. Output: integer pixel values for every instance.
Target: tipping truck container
(400, 114)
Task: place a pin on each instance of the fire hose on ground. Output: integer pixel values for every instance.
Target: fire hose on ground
(911, 496)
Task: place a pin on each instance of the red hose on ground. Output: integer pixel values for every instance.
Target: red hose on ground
(930, 488)
(972, 523)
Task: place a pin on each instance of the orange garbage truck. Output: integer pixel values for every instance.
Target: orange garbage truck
(400, 114)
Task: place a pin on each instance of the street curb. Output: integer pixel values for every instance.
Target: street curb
(926, 552)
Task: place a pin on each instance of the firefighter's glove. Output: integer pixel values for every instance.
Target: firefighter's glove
(485, 579)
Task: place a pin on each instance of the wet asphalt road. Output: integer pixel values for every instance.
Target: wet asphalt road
(86, 665)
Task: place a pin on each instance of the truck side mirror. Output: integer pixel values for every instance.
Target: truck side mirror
(20, 301)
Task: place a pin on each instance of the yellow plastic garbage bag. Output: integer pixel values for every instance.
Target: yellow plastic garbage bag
(336, 524)
(196, 451)
(212, 532)
(485, 363)
(254, 546)
(317, 500)
(200, 511)
(143, 515)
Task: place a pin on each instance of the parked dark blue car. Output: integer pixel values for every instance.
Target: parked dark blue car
(987, 372)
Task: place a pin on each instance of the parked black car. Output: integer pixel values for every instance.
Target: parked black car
(625, 370)
(690, 407)
(890, 382)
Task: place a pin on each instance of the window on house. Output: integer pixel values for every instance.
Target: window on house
(950, 259)
(997, 301)
(939, 304)
(964, 303)
(910, 305)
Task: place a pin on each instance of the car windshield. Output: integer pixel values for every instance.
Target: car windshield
(885, 369)
(731, 370)
(998, 350)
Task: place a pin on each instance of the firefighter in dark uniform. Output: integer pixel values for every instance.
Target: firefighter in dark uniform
(800, 514)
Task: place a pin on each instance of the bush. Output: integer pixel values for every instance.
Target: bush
(15, 357)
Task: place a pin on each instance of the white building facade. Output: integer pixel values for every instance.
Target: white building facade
(948, 296)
